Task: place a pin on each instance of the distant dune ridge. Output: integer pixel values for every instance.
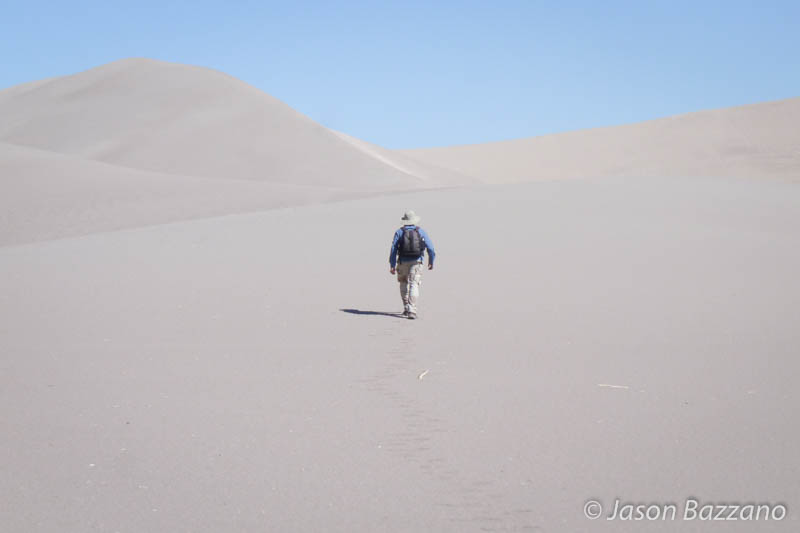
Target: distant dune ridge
(760, 140)
(140, 141)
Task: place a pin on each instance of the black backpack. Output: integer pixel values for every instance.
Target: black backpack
(411, 243)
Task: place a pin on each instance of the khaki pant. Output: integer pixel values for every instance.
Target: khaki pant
(410, 277)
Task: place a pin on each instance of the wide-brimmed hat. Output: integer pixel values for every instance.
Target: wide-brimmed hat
(410, 217)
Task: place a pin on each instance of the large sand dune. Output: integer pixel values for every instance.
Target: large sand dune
(754, 141)
(192, 121)
(140, 142)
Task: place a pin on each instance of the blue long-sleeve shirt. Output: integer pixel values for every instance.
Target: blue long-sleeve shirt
(427, 242)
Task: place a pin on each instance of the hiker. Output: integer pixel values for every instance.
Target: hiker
(409, 245)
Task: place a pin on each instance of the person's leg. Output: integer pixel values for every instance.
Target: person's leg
(414, 281)
(402, 278)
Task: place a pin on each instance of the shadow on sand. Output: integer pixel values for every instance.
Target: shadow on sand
(379, 313)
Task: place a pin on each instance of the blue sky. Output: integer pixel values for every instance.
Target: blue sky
(411, 74)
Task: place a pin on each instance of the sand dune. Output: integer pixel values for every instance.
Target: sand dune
(192, 121)
(755, 141)
(46, 195)
(140, 142)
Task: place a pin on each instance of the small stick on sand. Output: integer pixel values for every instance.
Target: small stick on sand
(613, 386)
(422, 375)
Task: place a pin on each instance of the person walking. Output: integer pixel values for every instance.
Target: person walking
(406, 258)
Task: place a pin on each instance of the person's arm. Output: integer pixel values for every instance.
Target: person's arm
(393, 250)
(429, 246)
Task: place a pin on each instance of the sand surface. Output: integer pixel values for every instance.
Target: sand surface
(166, 368)
(201, 376)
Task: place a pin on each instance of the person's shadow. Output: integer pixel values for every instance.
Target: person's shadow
(373, 313)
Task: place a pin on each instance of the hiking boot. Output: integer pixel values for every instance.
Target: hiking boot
(412, 315)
